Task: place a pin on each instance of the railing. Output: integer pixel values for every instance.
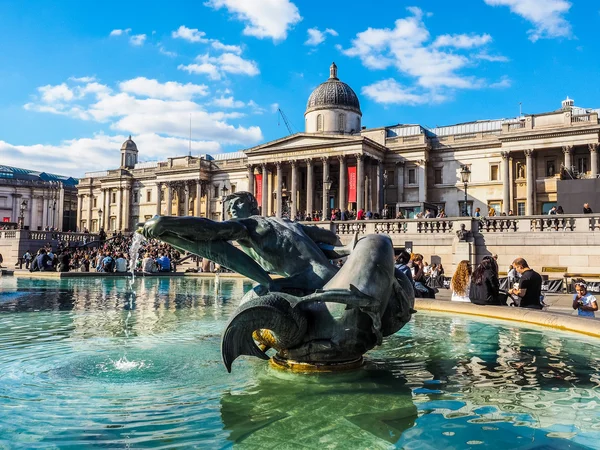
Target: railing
(516, 126)
(46, 236)
(581, 118)
(485, 225)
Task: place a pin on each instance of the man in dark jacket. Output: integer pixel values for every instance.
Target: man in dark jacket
(530, 285)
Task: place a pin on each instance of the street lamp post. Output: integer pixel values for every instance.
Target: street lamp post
(465, 173)
(99, 219)
(326, 187)
(22, 209)
(224, 192)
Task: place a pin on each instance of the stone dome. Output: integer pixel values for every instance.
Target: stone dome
(333, 93)
(129, 145)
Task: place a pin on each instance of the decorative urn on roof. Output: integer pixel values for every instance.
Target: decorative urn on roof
(333, 108)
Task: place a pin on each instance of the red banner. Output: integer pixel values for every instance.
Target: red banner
(351, 185)
(258, 190)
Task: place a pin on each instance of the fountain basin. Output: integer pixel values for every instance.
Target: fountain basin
(73, 376)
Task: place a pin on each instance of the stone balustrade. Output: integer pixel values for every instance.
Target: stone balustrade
(45, 236)
(500, 224)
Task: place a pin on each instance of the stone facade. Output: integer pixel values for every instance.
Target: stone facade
(37, 200)
(515, 165)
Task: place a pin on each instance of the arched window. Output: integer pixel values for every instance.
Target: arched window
(319, 122)
(341, 122)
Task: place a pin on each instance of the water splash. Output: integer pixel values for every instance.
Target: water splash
(134, 252)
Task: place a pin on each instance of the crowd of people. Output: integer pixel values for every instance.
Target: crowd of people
(482, 287)
(104, 255)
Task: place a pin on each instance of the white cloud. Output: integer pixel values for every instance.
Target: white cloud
(119, 32)
(316, 37)
(409, 48)
(274, 107)
(82, 79)
(391, 92)
(263, 18)
(163, 51)
(547, 16)
(230, 102)
(492, 58)
(74, 157)
(51, 94)
(189, 34)
(145, 106)
(217, 45)
(504, 83)
(214, 67)
(137, 39)
(462, 40)
(170, 90)
(205, 68)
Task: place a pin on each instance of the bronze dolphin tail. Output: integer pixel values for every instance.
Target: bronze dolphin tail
(271, 312)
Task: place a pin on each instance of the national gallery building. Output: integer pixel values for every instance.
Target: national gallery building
(515, 165)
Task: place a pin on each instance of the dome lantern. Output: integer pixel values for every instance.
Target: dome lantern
(333, 107)
(129, 154)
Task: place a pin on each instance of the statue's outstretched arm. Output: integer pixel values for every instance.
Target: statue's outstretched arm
(194, 228)
(320, 235)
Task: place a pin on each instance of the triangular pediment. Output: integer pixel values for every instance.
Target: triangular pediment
(303, 140)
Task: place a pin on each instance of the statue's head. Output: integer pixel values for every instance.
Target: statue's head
(241, 205)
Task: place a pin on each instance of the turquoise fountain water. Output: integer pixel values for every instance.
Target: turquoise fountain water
(442, 382)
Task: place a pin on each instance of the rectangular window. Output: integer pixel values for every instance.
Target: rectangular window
(390, 178)
(114, 197)
(520, 208)
(550, 168)
(496, 206)
(412, 176)
(148, 195)
(135, 196)
(94, 225)
(437, 176)
(582, 165)
(461, 208)
(95, 201)
(233, 188)
(494, 172)
(216, 192)
(283, 182)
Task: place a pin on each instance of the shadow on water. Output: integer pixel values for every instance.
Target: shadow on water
(371, 405)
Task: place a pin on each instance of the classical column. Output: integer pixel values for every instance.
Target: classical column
(251, 179)
(279, 199)
(399, 183)
(505, 182)
(197, 202)
(119, 207)
(594, 159)
(127, 208)
(309, 186)
(79, 212)
(343, 199)
(158, 198)
(423, 180)
(186, 199)
(324, 214)
(568, 151)
(294, 193)
(209, 192)
(44, 211)
(106, 215)
(169, 199)
(380, 186)
(33, 211)
(265, 191)
(360, 182)
(511, 183)
(89, 210)
(530, 209)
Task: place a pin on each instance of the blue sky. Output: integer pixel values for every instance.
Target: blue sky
(78, 77)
